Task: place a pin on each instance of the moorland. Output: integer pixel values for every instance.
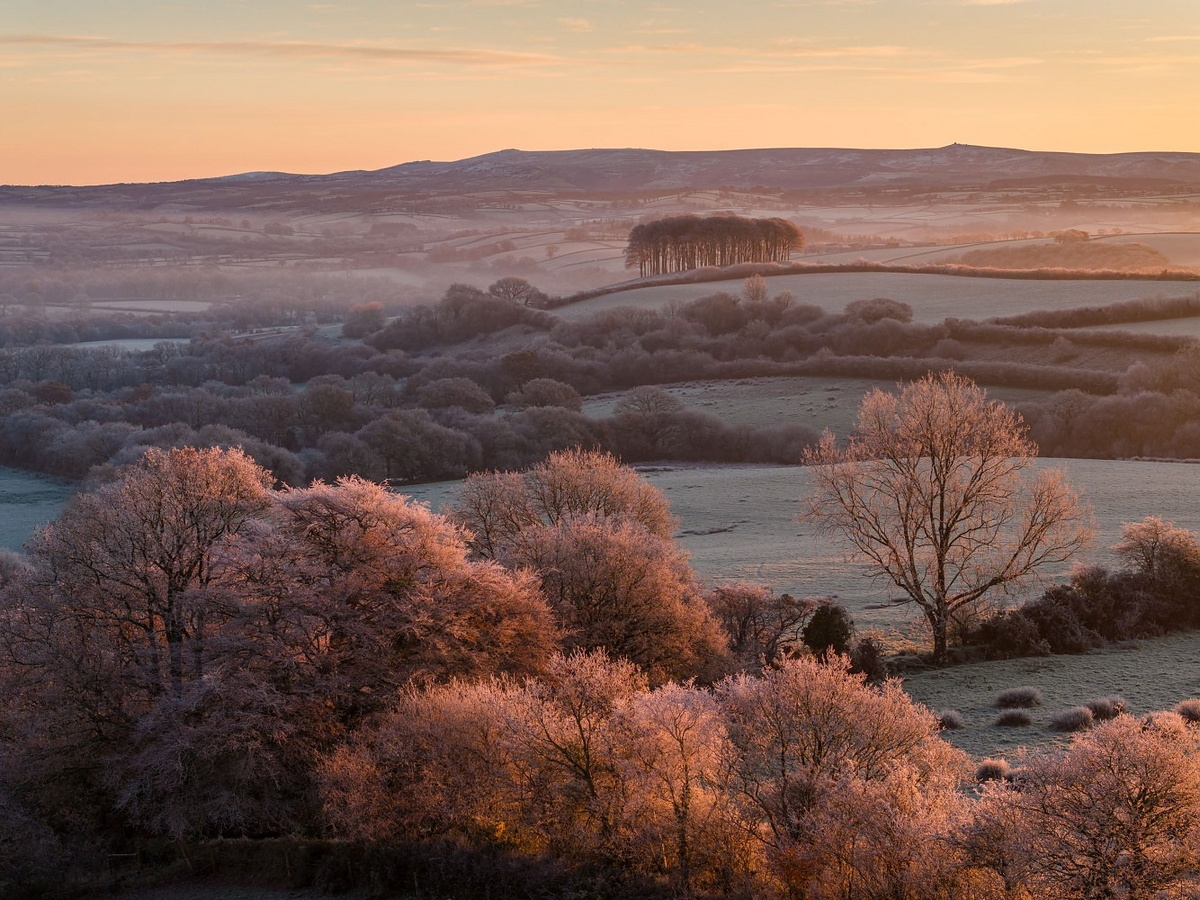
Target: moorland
(416, 325)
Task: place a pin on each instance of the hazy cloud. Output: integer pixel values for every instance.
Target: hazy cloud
(290, 50)
(577, 25)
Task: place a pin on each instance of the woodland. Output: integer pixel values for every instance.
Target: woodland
(532, 693)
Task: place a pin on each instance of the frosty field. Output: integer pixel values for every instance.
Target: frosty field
(739, 523)
(820, 402)
(1151, 675)
(26, 502)
(932, 297)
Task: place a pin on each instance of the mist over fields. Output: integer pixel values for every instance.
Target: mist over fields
(381, 531)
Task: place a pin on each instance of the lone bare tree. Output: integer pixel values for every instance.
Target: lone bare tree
(933, 492)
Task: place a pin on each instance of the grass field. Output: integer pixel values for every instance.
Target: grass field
(1181, 248)
(129, 343)
(820, 402)
(932, 297)
(739, 523)
(26, 502)
(1151, 675)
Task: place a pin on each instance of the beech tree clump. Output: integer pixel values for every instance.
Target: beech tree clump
(677, 243)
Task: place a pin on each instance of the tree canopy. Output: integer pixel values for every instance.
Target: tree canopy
(678, 243)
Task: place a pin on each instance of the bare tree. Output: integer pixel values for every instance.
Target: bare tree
(932, 493)
(761, 625)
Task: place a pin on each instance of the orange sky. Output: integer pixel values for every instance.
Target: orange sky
(141, 90)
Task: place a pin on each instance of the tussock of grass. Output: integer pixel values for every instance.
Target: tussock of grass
(992, 769)
(1189, 711)
(950, 720)
(1077, 718)
(1106, 708)
(1019, 698)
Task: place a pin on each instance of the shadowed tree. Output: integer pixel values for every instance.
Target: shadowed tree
(931, 492)
(761, 625)
(678, 243)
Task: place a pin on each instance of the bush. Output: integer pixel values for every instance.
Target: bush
(1013, 718)
(1019, 698)
(1058, 623)
(878, 309)
(991, 769)
(950, 720)
(1189, 711)
(1012, 634)
(1077, 718)
(867, 659)
(546, 392)
(830, 628)
(1106, 708)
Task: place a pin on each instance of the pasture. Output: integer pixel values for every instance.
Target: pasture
(1181, 248)
(933, 298)
(820, 402)
(28, 501)
(130, 344)
(738, 522)
(1151, 675)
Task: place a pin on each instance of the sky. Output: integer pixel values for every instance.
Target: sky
(103, 91)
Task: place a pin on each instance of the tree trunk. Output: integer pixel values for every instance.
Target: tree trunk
(939, 623)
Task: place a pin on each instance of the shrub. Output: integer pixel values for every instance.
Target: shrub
(991, 769)
(867, 659)
(1013, 718)
(1077, 718)
(1012, 634)
(546, 392)
(950, 720)
(1019, 698)
(1189, 711)
(1058, 623)
(830, 628)
(1105, 708)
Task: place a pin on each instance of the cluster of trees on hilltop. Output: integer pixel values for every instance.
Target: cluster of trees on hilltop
(678, 243)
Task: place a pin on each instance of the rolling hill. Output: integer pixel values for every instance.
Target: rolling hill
(636, 170)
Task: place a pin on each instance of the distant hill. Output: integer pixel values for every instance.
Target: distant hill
(635, 171)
